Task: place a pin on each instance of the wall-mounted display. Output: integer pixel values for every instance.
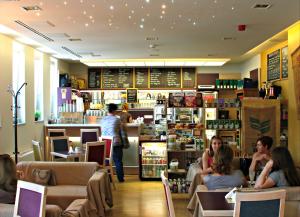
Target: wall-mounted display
(284, 62)
(273, 65)
(117, 78)
(94, 78)
(141, 77)
(132, 95)
(188, 78)
(165, 78)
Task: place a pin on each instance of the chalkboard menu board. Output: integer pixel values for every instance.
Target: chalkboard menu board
(188, 77)
(132, 95)
(94, 77)
(273, 67)
(165, 78)
(141, 78)
(284, 62)
(117, 78)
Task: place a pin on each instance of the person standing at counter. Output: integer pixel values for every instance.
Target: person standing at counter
(125, 116)
(111, 126)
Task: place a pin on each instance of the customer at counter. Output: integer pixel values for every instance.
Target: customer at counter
(125, 116)
(280, 171)
(112, 126)
(262, 155)
(8, 179)
(222, 175)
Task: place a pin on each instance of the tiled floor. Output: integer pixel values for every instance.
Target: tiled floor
(137, 198)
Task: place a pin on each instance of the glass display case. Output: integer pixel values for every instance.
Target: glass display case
(153, 159)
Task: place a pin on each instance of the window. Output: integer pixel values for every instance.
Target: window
(38, 86)
(18, 79)
(54, 82)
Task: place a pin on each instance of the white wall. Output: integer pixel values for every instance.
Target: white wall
(249, 65)
(31, 130)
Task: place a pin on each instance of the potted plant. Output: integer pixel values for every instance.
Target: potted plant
(37, 115)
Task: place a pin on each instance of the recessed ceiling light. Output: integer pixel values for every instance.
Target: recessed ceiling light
(111, 7)
(163, 6)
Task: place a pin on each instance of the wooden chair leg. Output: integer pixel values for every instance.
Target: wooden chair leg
(112, 176)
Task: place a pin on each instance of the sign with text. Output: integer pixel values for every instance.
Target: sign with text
(165, 78)
(117, 78)
(132, 95)
(94, 77)
(273, 65)
(141, 78)
(188, 77)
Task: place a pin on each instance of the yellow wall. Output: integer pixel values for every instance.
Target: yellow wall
(288, 91)
(294, 123)
(263, 75)
(31, 130)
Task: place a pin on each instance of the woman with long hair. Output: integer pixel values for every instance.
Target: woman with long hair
(208, 154)
(8, 179)
(223, 176)
(279, 171)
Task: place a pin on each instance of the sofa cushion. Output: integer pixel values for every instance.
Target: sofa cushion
(43, 177)
(66, 173)
(64, 195)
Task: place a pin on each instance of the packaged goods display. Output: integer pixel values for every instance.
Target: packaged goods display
(190, 99)
(179, 185)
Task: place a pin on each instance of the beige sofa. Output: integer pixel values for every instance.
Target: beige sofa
(74, 180)
(292, 202)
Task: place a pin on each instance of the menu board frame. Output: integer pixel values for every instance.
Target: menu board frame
(273, 65)
(162, 78)
(112, 80)
(131, 91)
(98, 74)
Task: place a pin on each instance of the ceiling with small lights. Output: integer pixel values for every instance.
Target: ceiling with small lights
(133, 29)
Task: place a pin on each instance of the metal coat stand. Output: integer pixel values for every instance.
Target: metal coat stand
(15, 107)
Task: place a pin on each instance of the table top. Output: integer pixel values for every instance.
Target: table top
(214, 204)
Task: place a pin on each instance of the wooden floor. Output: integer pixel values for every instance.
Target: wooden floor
(137, 198)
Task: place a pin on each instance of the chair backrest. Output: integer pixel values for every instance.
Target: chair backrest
(89, 135)
(30, 200)
(108, 146)
(56, 132)
(95, 152)
(37, 151)
(168, 195)
(60, 143)
(260, 204)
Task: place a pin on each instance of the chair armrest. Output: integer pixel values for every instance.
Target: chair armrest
(99, 192)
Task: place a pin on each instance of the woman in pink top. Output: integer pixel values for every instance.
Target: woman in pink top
(207, 157)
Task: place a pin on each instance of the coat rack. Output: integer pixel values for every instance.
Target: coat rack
(15, 107)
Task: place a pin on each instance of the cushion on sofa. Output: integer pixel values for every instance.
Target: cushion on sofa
(66, 173)
(64, 195)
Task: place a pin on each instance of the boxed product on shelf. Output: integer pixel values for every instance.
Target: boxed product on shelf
(178, 99)
(190, 99)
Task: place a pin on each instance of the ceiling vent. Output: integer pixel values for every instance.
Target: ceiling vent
(33, 30)
(75, 39)
(151, 38)
(229, 38)
(154, 55)
(71, 52)
(32, 8)
(261, 6)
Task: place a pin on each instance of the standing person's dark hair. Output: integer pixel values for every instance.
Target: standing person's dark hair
(282, 160)
(112, 107)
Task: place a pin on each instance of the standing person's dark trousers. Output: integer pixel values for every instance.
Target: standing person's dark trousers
(118, 157)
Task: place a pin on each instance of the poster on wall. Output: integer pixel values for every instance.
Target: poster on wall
(284, 62)
(296, 73)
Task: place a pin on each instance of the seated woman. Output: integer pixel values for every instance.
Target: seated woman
(8, 180)
(223, 176)
(279, 171)
(262, 155)
(208, 154)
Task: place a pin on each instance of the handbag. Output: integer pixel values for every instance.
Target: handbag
(124, 138)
